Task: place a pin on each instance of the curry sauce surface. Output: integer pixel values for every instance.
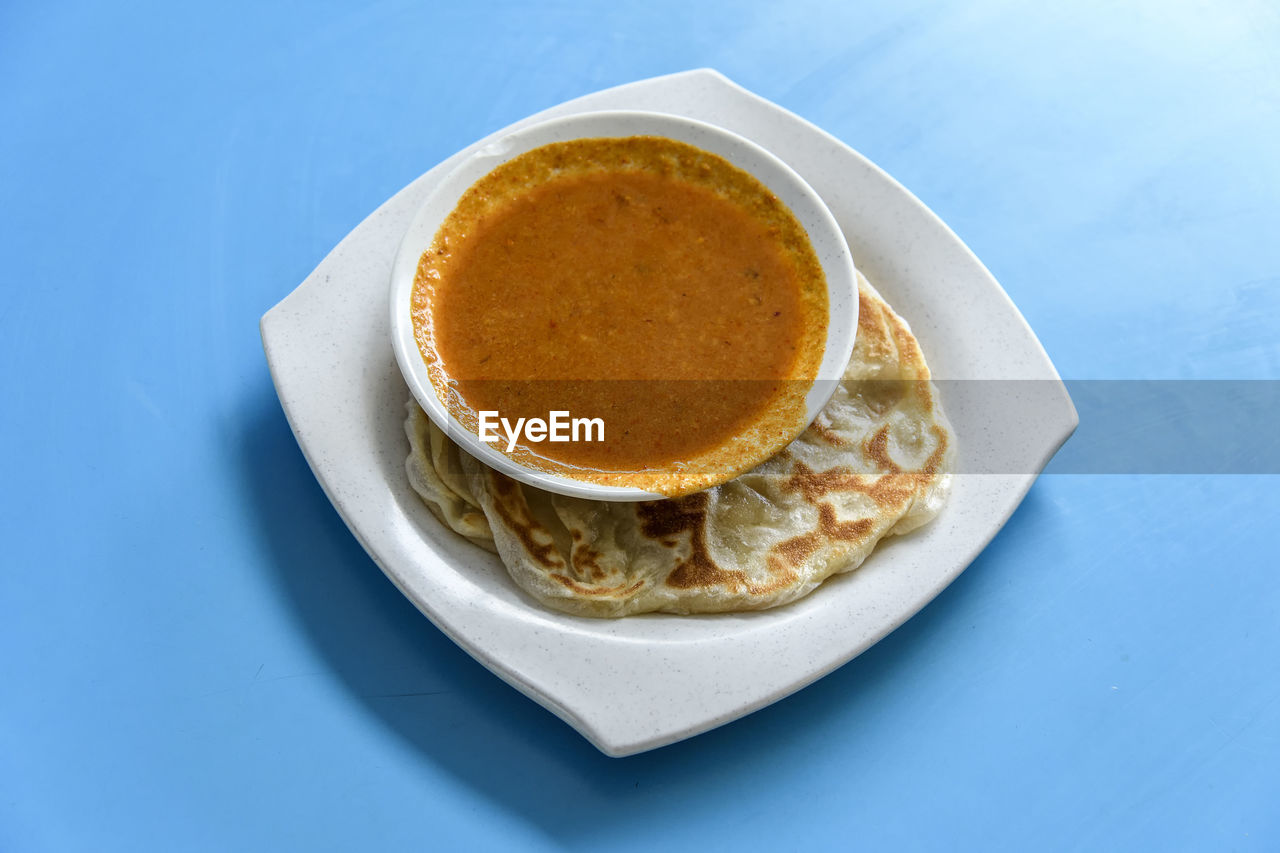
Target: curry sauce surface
(640, 280)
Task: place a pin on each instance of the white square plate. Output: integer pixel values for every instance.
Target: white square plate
(638, 683)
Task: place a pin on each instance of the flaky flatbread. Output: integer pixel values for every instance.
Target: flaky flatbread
(875, 463)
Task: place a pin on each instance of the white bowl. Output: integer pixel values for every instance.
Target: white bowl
(824, 234)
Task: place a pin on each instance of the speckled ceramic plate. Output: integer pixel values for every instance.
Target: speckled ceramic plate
(638, 683)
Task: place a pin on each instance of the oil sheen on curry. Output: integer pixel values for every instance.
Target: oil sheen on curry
(638, 280)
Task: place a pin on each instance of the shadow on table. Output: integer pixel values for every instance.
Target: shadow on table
(461, 718)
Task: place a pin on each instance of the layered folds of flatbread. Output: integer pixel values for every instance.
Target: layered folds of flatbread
(875, 463)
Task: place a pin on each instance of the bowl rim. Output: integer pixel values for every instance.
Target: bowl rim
(829, 245)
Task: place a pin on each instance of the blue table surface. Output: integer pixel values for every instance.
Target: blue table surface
(196, 654)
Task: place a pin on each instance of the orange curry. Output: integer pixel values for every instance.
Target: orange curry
(641, 281)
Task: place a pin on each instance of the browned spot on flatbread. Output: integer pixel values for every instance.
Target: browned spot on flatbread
(813, 485)
(872, 335)
(507, 494)
(586, 560)
(909, 355)
(878, 449)
(911, 360)
(797, 549)
(688, 514)
(868, 313)
(668, 518)
(842, 531)
(664, 519)
(620, 590)
(782, 573)
(827, 434)
(885, 489)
